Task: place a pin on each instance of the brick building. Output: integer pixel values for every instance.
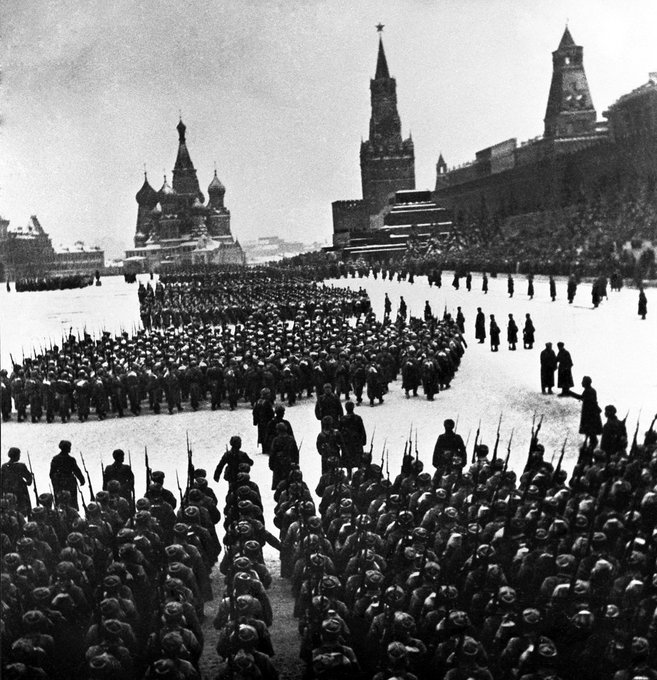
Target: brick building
(577, 158)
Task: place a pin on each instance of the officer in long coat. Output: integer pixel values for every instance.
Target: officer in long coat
(528, 333)
(64, 471)
(590, 423)
(353, 433)
(548, 367)
(564, 373)
(480, 326)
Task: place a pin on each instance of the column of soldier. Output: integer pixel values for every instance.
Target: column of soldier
(409, 267)
(118, 590)
(473, 572)
(291, 340)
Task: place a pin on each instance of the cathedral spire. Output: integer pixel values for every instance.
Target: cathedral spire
(184, 172)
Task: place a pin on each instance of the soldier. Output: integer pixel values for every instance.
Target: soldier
(530, 286)
(528, 333)
(590, 423)
(484, 283)
(387, 307)
(460, 320)
(510, 285)
(283, 454)
(17, 382)
(231, 460)
(330, 443)
(614, 433)
(480, 326)
(64, 471)
(512, 333)
(157, 477)
(553, 288)
(122, 473)
(548, 367)
(402, 308)
(449, 443)
(279, 413)
(16, 479)
(82, 393)
(564, 372)
(571, 289)
(263, 413)
(353, 434)
(643, 304)
(5, 396)
(494, 331)
(410, 375)
(328, 404)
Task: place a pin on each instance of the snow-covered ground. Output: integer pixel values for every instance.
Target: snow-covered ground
(611, 344)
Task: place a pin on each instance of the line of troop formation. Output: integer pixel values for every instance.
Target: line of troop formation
(118, 590)
(219, 338)
(474, 572)
(470, 572)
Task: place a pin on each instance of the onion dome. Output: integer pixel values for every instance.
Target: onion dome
(181, 127)
(166, 189)
(197, 206)
(215, 186)
(146, 196)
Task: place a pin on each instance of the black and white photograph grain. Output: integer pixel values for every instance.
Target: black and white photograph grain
(328, 340)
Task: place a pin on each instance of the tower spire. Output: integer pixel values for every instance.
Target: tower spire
(569, 109)
(381, 62)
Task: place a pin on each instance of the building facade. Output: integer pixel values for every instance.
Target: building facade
(577, 158)
(175, 226)
(27, 253)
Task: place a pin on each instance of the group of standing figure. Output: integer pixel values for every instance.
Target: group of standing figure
(512, 330)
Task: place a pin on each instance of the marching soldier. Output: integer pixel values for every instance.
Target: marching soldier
(64, 471)
(122, 473)
(16, 478)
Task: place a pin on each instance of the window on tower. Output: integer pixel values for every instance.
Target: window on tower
(566, 61)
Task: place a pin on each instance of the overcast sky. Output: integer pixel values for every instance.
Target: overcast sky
(277, 94)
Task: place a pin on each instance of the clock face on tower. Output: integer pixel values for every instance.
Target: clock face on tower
(574, 98)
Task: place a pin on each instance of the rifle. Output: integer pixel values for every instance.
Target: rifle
(91, 489)
(417, 453)
(179, 489)
(508, 453)
(652, 425)
(84, 505)
(497, 438)
(190, 465)
(148, 469)
(474, 450)
(383, 452)
(372, 444)
(563, 450)
(635, 446)
(132, 489)
(36, 493)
